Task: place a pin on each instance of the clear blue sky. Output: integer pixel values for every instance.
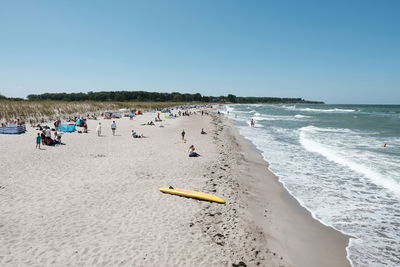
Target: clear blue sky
(337, 51)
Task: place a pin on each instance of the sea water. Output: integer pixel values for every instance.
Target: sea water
(332, 159)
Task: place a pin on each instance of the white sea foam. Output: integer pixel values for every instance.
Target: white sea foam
(243, 112)
(333, 154)
(271, 118)
(299, 116)
(331, 110)
(312, 128)
(289, 107)
(334, 110)
(229, 108)
(268, 117)
(343, 176)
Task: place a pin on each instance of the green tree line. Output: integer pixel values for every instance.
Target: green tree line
(161, 97)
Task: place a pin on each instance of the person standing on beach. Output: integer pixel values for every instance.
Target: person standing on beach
(113, 127)
(43, 135)
(98, 129)
(38, 140)
(183, 135)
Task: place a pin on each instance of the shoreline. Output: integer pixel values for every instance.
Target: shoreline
(324, 245)
(253, 148)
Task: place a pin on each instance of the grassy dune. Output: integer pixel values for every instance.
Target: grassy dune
(41, 111)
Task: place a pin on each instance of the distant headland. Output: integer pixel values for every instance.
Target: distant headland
(122, 96)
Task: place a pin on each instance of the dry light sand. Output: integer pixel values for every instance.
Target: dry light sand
(95, 201)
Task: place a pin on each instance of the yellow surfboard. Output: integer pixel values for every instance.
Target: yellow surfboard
(192, 194)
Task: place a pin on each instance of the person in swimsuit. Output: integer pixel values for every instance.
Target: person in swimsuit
(98, 129)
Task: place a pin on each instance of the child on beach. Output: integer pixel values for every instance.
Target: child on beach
(113, 127)
(38, 140)
(98, 129)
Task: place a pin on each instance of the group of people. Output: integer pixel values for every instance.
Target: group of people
(113, 128)
(44, 138)
(184, 113)
(192, 152)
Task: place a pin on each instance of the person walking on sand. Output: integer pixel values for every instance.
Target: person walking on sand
(113, 127)
(98, 129)
(38, 140)
(183, 135)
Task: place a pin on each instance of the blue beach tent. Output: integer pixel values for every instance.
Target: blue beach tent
(67, 128)
(80, 122)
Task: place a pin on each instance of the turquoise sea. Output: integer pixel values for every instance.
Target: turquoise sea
(332, 159)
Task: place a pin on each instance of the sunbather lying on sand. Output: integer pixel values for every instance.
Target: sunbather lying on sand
(148, 123)
(135, 135)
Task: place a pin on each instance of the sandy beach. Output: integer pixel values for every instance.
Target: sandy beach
(95, 201)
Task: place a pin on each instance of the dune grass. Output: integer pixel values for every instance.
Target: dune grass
(42, 111)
